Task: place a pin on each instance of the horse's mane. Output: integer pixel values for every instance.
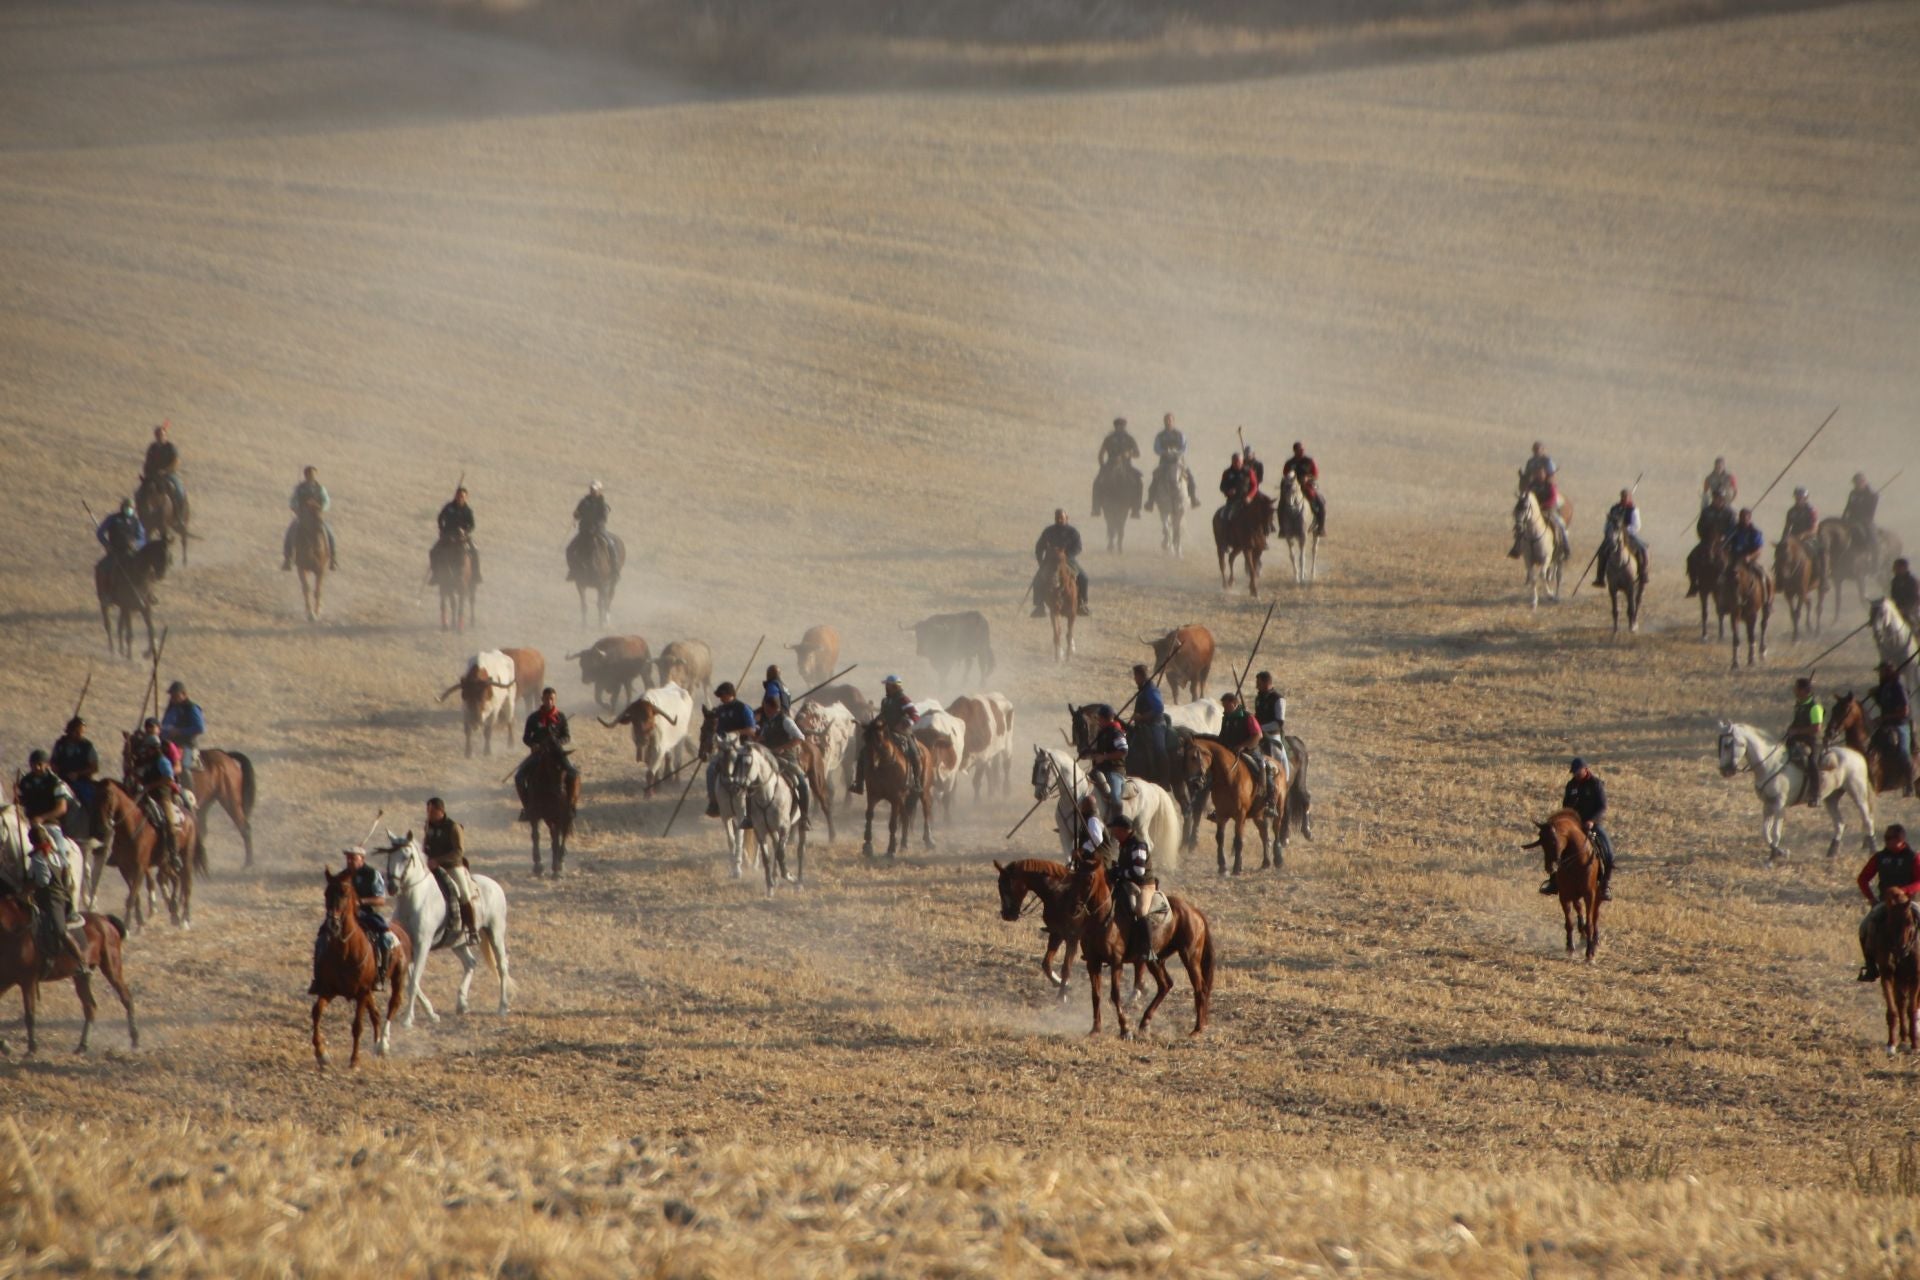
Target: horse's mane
(1040, 867)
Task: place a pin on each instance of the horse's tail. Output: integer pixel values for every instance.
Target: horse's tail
(119, 926)
(248, 784)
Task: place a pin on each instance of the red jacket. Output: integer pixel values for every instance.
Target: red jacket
(1871, 871)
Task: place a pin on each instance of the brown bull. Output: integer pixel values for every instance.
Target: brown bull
(612, 666)
(1190, 665)
(689, 664)
(818, 653)
(529, 672)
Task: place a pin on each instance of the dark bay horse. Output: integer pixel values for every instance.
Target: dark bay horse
(128, 585)
(1745, 594)
(1886, 771)
(1892, 949)
(1103, 945)
(311, 556)
(1852, 556)
(594, 561)
(1051, 886)
(1235, 793)
(454, 571)
(135, 849)
(225, 778)
(162, 511)
(552, 797)
(891, 781)
(21, 966)
(1796, 575)
(1706, 565)
(348, 968)
(1243, 535)
(1116, 495)
(1575, 869)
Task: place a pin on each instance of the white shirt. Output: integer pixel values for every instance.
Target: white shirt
(1095, 833)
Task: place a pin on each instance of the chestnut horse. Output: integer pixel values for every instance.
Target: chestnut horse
(1575, 869)
(1243, 534)
(1236, 799)
(310, 555)
(1891, 948)
(1796, 573)
(348, 968)
(1050, 884)
(1848, 721)
(134, 848)
(1745, 594)
(1103, 944)
(1062, 601)
(224, 778)
(553, 797)
(889, 780)
(20, 965)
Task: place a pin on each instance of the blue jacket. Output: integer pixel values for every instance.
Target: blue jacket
(183, 722)
(730, 717)
(1744, 542)
(774, 689)
(126, 526)
(1148, 705)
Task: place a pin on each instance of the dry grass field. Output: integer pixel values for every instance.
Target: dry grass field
(837, 357)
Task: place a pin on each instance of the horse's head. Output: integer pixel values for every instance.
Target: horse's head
(403, 858)
(1730, 754)
(1847, 714)
(1013, 891)
(1042, 773)
(707, 717)
(342, 902)
(1081, 718)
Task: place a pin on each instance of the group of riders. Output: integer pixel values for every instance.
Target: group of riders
(774, 728)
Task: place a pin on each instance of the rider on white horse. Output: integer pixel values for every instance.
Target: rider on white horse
(779, 734)
(731, 716)
(1808, 727)
(1170, 447)
(445, 846)
(1894, 867)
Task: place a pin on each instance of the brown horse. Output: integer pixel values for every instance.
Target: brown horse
(890, 780)
(1796, 575)
(135, 849)
(806, 753)
(161, 512)
(21, 966)
(310, 555)
(1051, 885)
(128, 585)
(552, 797)
(1243, 535)
(1575, 869)
(1891, 948)
(1848, 721)
(1103, 944)
(453, 569)
(1235, 793)
(1745, 594)
(1852, 556)
(1706, 565)
(348, 968)
(225, 778)
(595, 561)
(1062, 601)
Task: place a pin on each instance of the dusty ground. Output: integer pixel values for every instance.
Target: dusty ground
(837, 358)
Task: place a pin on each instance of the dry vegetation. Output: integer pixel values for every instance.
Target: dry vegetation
(836, 358)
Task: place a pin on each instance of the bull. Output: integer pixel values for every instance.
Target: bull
(818, 654)
(947, 640)
(612, 666)
(486, 691)
(689, 664)
(1191, 665)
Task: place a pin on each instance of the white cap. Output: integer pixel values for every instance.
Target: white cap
(595, 487)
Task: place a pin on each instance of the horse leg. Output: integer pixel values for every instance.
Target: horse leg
(495, 937)
(533, 829)
(115, 973)
(1190, 959)
(582, 588)
(1164, 981)
(1891, 1000)
(362, 1009)
(1239, 840)
(1093, 982)
(83, 987)
(1046, 961)
(1119, 1012)
(866, 844)
(396, 982)
(1566, 912)
(319, 1045)
(1220, 845)
(1593, 921)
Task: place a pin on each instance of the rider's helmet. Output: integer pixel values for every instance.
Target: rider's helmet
(126, 506)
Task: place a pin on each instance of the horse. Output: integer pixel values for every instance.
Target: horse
(1296, 527)
(552, 797)
(1062, 600)
(348, 968)
(422, 910)
(454, 571)
(1852, 557)
(1575, 869)
(1623, 577)
(133, 847)
(596, 564)
(1162, 762)
(1796, 575)
(751, 787)
(1706, 565)
(1745, 594)
(890, 780)
(311, 555)
(1104, 946)
(1539, 547)
(1895, 640)
(1116, 494)
(1243, 534)
(1779, 782)
(1167, 495)
(1891, 948)
(1848, 722)
(162, 510)
(1156, 816)
(1051, 887)
(225, 778)
(1235, 795)
(22, 965)
(126, 583)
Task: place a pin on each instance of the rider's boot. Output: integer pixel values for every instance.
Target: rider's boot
(1606, 884)
(1868, 969)
(466, 923)
(1549, 888)
(1600, 572)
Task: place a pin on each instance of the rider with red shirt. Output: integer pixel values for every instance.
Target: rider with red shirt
(1894, 867)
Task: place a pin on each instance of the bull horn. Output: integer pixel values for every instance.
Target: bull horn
(496, 684)
(610, 724)
(664, 716)
(1146, 640)
(570, 657)
(450, 689)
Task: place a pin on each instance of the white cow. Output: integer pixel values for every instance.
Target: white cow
(832, 729)
(487, 693)
(662, 720)
(1202, 715)
(989, 747)
(943, 736)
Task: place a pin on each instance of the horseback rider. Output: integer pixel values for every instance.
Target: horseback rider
(1809, 724)
(1238, 485)
(1240, 732)
(1117, 452)
(1586, 795)
(1904, 591)
(896, 717)
(1306, 473)
(455, 522)
(142, 746)
(1744, 546)
(1170, 447)
(731, 716)
(1063, 537)
(1801, 519)
(779, 734)
(775, 688)
(1717, 521)
(1538, 470)
(1895, 720)
(545, 732)
(1133, 890)
(444, 842)
(1537, 476)
(1107, 757)
(309, 490)
(1090, 835)
(162, 463)
(1863, 504)
(1255, 467)
(75, 762)
(50, 873)
(1149, 708)
(182, 725)
(371, 888)
(590, 513)
(1894, 867)
(1719, 484)
(1270, 714)
(159, 792)
(121, 534)
(1625, 516)
(40, 793)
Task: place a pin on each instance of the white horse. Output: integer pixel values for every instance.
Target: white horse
(1167, 495)
(1839, 772)
(421, 909)
(1156, 817)
(1895, 640)
(1296, 526)
(751, 787)
(1539, 547)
